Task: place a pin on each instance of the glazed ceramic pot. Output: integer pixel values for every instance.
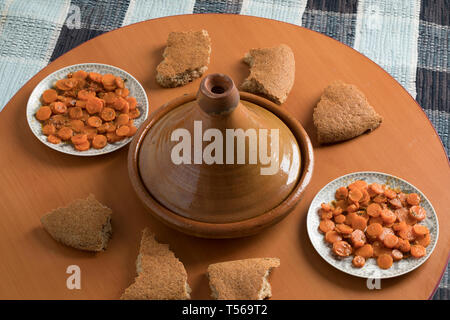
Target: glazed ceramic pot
(220, 163)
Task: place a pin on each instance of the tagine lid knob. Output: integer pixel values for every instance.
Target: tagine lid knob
(215, 157)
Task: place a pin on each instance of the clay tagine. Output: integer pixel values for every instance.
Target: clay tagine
(220, 163)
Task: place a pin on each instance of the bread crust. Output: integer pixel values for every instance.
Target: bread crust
(343, 113)
(186, 57)
(241, 279)
(272, 72)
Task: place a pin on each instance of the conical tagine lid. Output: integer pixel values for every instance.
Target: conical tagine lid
(218, 158)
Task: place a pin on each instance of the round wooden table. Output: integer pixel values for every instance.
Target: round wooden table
(35, 179)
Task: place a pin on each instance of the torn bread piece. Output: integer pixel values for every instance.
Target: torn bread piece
(84, 224)
(161, 276)
(342, 113)
(241, 279)
(272, 72)
(186, 58)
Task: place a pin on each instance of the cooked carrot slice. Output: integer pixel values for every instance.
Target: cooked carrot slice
(384, 233)
(324, 215)
(332, 236)
(390, 241)
(113, 137)
(109, 80)
(83, 146)
(58, 107)
(79, 138)
(99, 141)
(65, 84)
(85, 94)
(94, 105)
(417, 212)
(119, 83)
(358, 184)
(122, 120)
(355, 195)
(374, 210)
(413, 199)
(420, 230)
(325, 206)
(353, 207)
(80, 74)
(135, 113)
(418, 251)
(133, 130)
(94, 121)
(342, 248)
(381, 198)
(374, 230)
(120, 104)
(359, 261)
(366, 251)
(48, 129)
(358, 238)
(65, 133)
(390, 194)
(122, 92)
(75, 113)
(110, 97)
(132, 102)
(375, 220)
(397, 255)
(326, 225)
(91, 132)
(108, 114)
(400, 226)
(343, 228)
(424, 240)
(396, 203)
(403, 245)
(385, 261)
(96, 77)
(43, 113)
(376, 188)
(124, 130)
(339, 218)
(49, 95)
(407, 234)
(81, 104)
(77, 125)
(359, 222)
(349, 218)
(402, 197)
(336, 211)
(388, 216)
(341, 193)
(365, 198)
(53, 139)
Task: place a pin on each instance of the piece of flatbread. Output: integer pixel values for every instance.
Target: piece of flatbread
(241, 279)
(186, 58)
(84, 224)
(272, 72)
(160, 275)
(342, 113)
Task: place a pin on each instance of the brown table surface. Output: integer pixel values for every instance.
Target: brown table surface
(35, 179)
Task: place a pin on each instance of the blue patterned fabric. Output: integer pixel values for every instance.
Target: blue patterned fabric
(408, 38)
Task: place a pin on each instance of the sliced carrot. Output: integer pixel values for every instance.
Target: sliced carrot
(109, 80)
(396, 203)
(413, 199)
(65, 133)
(113, 137)
(359, 261)
(83, 146)
(94, 76)
(85, 94)
(374, 230)
(403, 245)
(424, 240)
(400, 226)
(124, 130)
(53, 139)
(359, 222)
(390, 241)
(110, 97)
(366, 251)
(390, 194)
(418, 213)
(49, 95)
(122, 92)
(420, 230)
(132, 102)
(374, 210)
(349, 218)
(397, 255)
(75, 113)
(326, 225)
(119, 83)
(80, 74)
(358, 184)
(385, 232)
(99, 141)
(94, 121)
(94, 105)
(385, 261)
(341, 193)
(48, 129)
(339, 218)
(81, 104)
(120, 104)
(336, 211)
(342, 248)
(43, 113)
(77, 125)
(122, 119)
(135, 113)
(418, 251)
(353, 207)
(388, 216)
(65, 84)
(324, 215)
(91, 132)
(58, 107)
(133, 130)
(381, 198)
(375, 220)
(79, 138)
(343, 228)
(355, 195)
(407, 234)
(332, 236)
(358, 238)
(376, 188)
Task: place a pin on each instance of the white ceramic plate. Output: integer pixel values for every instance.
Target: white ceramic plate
(136, 90)
(370, 270)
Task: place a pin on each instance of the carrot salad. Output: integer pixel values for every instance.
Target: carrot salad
(374, 221)
(88, 110)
